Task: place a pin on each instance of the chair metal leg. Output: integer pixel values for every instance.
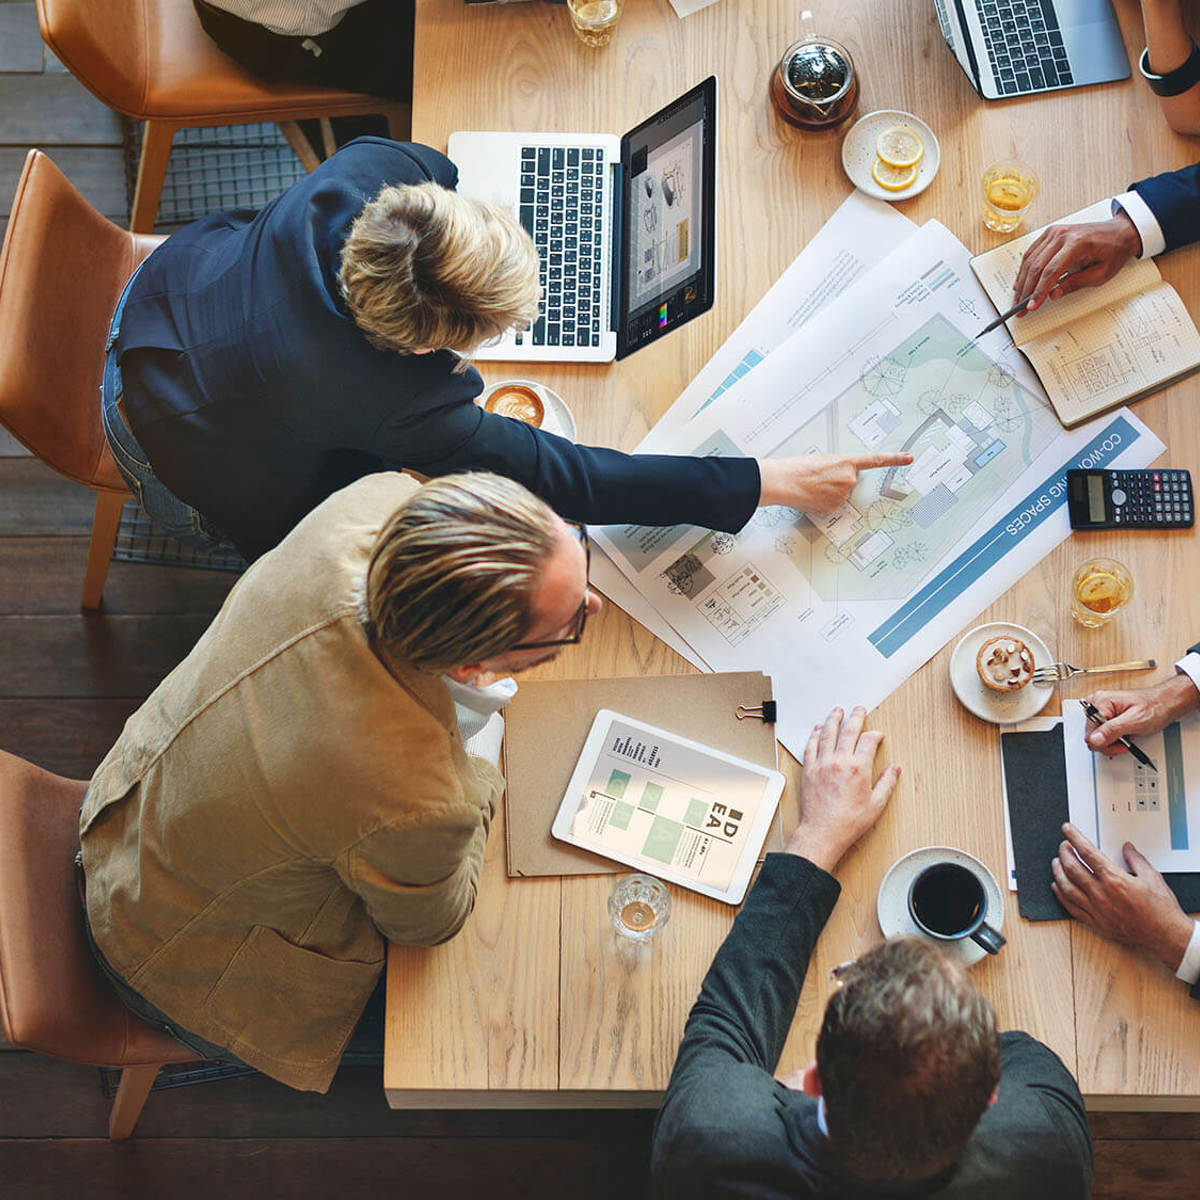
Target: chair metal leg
(104, 537)
(152, 170)
(309, 159)
(132, 1091)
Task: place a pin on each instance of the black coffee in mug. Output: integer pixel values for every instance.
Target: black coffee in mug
(947, 899)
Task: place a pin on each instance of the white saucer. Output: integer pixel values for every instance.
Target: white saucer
(858, 152)
(556, 417)
(891, 907)
(1004, 708)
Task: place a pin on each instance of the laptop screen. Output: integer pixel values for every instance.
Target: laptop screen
(668, 248)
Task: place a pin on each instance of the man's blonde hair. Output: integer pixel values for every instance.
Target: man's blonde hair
(453, 572)
(427, 269)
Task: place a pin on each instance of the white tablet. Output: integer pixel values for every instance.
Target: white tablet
(669, 806)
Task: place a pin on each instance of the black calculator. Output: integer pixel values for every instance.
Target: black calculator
(1150, 499)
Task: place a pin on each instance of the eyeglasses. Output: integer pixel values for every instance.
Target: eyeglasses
(580, 620)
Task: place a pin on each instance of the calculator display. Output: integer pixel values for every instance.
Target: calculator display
(1095, 491)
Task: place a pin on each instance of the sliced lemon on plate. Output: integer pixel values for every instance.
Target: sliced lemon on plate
(899, 146)
(894, 179)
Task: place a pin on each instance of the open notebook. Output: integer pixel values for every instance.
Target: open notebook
(1098, 347)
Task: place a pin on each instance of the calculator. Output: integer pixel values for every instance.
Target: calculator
(1150, 499)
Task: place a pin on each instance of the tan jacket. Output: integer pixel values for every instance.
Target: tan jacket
(281, 804)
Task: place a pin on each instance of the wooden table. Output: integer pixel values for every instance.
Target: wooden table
(534, 1003)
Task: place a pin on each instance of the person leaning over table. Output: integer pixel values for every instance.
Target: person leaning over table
(1131, 903)
(912, 1092)
(261, 361)
(1156, 214)
(1170, 63)
(317, 776)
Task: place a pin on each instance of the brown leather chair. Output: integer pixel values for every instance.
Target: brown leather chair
(62, 269)
(152, 60)
(54, 999)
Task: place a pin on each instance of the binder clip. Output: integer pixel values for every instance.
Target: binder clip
(764, 712)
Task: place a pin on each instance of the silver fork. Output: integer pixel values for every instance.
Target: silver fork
(1057, 672)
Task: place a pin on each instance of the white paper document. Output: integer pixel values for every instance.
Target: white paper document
(1118, 800)
(842, 608)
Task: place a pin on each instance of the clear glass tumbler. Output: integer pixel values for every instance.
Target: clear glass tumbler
(1009, 188)
(1101, 587)
(594, 20)
(639, 906)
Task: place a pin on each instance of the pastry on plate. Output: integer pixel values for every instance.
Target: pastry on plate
(1004, 663)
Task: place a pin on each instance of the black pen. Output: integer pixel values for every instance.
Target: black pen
(1022, 305)
(1093, 714)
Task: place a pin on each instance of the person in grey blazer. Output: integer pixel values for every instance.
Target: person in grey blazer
(912, 1091)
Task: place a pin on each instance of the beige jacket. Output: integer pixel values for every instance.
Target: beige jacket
(281, 804)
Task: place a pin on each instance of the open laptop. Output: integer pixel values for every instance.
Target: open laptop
(625, 228)
(1018, 47)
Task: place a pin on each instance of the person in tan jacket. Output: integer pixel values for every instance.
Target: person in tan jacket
(297, 791)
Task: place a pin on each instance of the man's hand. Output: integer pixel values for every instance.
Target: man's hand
(818, 483)
(1140, 710)
(839, 802)
(1095, 252)
(1134, 907)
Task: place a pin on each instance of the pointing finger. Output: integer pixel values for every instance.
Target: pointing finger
(864, 462)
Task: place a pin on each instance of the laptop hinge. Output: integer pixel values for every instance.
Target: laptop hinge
(616, 229)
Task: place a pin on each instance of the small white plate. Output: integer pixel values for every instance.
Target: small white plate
(1003, 708)
(891, 907)
(557, 416)
(858, 152)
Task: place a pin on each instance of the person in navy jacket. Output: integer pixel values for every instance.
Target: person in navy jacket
(260, 362)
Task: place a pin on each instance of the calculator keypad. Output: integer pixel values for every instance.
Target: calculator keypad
(1151, 499)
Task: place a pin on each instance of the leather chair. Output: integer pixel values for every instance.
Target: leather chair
(152, 60)
(62, 269)
(54, 998)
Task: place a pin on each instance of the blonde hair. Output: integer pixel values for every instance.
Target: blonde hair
(453, 572)
(427, 269)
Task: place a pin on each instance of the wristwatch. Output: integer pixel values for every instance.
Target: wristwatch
(1176, 82)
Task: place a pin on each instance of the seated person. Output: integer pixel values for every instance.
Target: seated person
(261, 361)
(1132, 904)
(911, 1094)
(355, 45)
(299, 789)
(1171, 61)
(1157, 214)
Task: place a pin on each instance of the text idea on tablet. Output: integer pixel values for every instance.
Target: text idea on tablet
(669, 806)
(625, 228)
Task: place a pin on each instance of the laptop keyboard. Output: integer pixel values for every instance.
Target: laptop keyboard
(562, 208)
(1024, 45)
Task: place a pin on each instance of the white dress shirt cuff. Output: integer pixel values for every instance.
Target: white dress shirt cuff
(1144, 220)
(1189, 665)
(1189, 967)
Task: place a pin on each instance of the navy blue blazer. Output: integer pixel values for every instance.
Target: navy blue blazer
(256, 396)
(1174, 199)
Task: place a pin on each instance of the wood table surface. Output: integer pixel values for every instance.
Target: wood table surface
(534, 1001)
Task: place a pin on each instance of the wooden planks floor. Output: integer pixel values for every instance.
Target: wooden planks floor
(68, 681)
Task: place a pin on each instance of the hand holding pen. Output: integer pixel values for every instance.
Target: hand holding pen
(1097, 718)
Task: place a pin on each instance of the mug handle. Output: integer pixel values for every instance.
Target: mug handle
(990, 939)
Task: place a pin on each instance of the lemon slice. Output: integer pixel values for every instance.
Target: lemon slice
(894, 179)
(899, 146)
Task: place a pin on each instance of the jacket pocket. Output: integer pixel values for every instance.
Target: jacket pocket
(288, 1003)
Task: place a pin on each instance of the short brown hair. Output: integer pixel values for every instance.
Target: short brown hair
(453, 572)
(427, 269)
(908, 1057)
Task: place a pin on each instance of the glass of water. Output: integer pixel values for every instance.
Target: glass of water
(594, 20)
(639, 906)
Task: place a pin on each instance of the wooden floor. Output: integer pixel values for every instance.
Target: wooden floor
(67, 683)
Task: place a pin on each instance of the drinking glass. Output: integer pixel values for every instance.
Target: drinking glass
(1100, 589)
(594, 20)
(639, 906)
(1009, 188)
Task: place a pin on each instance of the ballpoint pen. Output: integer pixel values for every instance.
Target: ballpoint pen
(1022, 305)
(1093, 715)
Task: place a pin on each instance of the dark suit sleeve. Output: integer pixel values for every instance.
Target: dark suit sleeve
(720, 1130)
(582, 483)
(1174, 199)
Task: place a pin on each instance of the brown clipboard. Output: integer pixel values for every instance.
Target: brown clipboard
(547, 723)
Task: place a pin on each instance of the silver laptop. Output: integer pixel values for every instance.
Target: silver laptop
(625, 228)
(1017, 47)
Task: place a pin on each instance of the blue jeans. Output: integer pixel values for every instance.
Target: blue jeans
(166, 510)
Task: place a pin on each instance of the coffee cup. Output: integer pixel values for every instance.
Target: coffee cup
(518, 400)
(948, 902)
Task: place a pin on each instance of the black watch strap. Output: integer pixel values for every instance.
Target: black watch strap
(1175, 82)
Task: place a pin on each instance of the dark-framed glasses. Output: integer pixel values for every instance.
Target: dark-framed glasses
(580, 620)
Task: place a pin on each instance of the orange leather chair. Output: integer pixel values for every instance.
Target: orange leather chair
(62, 269)
(152, 60)
(54, 999)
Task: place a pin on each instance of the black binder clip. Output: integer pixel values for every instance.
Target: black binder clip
(764, 712)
